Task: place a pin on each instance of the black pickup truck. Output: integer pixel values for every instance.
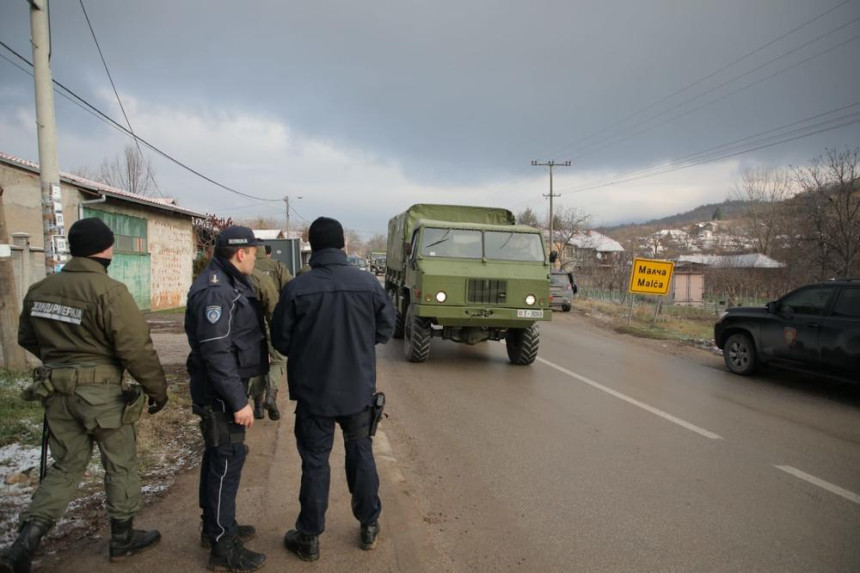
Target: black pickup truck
(814, 328)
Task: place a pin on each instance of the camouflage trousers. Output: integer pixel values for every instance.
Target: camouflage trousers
(93, 415)
(270, 382)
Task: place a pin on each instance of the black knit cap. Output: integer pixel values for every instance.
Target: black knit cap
(325, 233)
(89, 236)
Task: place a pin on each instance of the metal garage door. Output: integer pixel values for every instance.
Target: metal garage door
(131, 263)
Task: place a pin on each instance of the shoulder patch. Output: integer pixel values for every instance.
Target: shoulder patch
(213, 313)
(58, 312)
(213, 279)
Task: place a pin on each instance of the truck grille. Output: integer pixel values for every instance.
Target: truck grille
(486, 291)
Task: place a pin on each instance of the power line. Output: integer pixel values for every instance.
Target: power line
(730, 149)
(116, 93)
(683, 89)
(621, 136)
(113, 123)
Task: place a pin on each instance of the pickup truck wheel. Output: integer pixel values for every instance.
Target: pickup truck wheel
(565, 308)
(416, 337)
(739, 354)
(523, 344)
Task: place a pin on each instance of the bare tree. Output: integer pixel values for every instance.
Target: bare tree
(259, 222)
(378, 242)
(130, 172)
(528, 217)
(567, 223)
(830, 207)
(765, 192)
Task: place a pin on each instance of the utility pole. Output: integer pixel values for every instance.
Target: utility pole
(49, 170)
(551, 164)
(287, 212)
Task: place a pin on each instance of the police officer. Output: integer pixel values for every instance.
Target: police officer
(327, 323)
(280, 276)
(87, 330)
(258, 386)
(224, 324)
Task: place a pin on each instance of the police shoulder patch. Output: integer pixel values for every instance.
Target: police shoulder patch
(213, 313)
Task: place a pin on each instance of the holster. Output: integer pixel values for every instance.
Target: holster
(217, 428)
(135, 402)
(364, 424)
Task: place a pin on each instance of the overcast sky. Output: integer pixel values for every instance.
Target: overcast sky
(363, 108)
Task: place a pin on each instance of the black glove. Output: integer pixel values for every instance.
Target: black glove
(156, 405)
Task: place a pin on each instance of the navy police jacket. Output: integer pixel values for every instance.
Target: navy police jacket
(224, 324)
(327, 323)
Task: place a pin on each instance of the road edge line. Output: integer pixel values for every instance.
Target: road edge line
(835, 489)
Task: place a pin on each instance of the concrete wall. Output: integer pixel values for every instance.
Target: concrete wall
(170, 240)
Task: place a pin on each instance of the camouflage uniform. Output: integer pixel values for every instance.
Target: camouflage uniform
(278, 273)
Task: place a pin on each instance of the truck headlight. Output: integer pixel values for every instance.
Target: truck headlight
(530, 299)
(441, 296)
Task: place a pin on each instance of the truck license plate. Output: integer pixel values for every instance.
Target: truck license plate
(529, 313)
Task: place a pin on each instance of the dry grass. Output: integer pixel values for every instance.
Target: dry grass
(685, 324)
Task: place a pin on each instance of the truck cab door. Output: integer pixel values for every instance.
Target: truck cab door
(840, 334)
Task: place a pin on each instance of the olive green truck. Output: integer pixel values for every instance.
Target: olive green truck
(466, 274)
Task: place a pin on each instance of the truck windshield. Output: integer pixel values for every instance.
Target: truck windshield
(460, 243)
(509, 246)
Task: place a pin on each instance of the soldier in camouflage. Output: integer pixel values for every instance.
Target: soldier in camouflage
(87, 330)
(280, 276)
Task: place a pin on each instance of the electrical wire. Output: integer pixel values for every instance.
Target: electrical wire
(146, 143)
(116, 93)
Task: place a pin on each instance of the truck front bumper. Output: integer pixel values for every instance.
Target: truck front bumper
(483, 316)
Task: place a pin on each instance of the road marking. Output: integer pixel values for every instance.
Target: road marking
(850, 496)
(629, 400)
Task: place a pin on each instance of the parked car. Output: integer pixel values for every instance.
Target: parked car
(814, 328)
(561, 290)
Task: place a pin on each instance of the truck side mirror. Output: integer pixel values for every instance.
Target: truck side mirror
(772, 307)
(553, 256)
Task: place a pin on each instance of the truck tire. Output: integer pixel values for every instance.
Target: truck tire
(398, 320)
(740, 354)
(416, 339)
(523, 344)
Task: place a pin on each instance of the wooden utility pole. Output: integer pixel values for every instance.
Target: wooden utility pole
(14, 357)
(551, 164)
(49, 169)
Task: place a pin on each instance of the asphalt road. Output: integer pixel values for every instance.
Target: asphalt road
(608, 454)
(616, 454)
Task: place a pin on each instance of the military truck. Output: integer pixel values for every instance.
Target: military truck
(377, 262)
(466, 274)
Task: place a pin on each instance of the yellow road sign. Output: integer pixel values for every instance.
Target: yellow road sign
(651, 277)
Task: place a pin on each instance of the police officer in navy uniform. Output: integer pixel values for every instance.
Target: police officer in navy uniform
(328, 322)
(224, 324)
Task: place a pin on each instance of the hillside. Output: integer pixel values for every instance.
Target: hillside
(726, 210)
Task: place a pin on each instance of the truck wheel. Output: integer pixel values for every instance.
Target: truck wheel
(416, 339)
(523, 344)
(565, 308)
(398, 320)
(739, 354)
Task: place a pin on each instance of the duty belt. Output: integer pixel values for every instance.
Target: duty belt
(80, 374)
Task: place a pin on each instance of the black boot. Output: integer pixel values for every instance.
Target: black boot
(258, 407)
(369, 532)
(272, 404)
(230, 555)
(243, 532)
(126, 541)
(306, 547)
(17, 558)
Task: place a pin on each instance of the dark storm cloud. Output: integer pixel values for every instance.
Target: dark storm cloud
(468, 92)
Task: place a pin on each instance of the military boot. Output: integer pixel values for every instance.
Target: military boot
(258, 407)
(230, 555)
(243, 532)
(369, 532)
(306, 547)
(272, 404)
(126, 541)
(17, 558)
